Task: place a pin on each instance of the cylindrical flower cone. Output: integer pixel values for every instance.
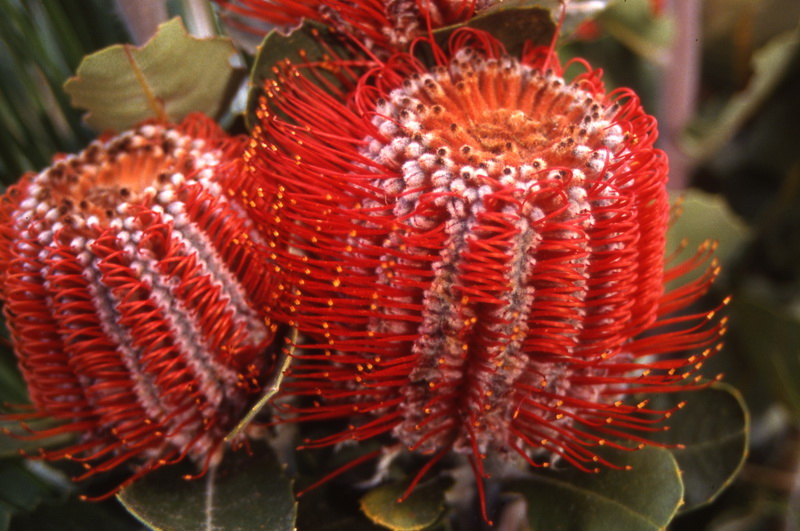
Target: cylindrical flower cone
(475, 251)
(135, 298)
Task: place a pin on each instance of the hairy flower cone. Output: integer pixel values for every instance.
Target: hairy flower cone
(132, 296)
(476, 252)
(380, 24)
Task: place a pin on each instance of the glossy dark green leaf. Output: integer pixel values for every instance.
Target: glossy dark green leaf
(513, 26)
(333, 508)
(644, 498)
(76, 515)
(714, 428)
(311, 42)
(577, 12)
(243, 493)
(420, 510)
(172, 75)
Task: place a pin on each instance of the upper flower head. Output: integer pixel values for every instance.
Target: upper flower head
(476, 250)
(132, 296)
(379, 24)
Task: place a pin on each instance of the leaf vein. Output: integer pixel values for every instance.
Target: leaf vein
(601, 497)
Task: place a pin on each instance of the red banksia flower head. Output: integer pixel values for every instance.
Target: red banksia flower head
(475, 251)
(132, 296)
(379, 24)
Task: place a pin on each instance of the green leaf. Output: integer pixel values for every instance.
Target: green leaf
(513, 26)
(314, 42)
(12, 386)
(310, 42)
(27, 485)
(76, 515)
(242, 493)
(632, 23)
(770, 338)
(714, 429)
(705, 217)
(23, 485)
(423, 507)
(41, 44)
(644, 498)
(172, 75)
(770, 65)
(578, 11)
(11, 446)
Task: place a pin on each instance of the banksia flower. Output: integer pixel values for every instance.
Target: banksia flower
(133, 297)
(379, 24)
(475, 252)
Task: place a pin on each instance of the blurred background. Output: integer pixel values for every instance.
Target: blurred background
(722, 76)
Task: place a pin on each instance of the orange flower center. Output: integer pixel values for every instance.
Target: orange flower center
(499, 116)
(130, 168)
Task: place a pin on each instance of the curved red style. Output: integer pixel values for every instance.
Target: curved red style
(475, 250)
(133, 295)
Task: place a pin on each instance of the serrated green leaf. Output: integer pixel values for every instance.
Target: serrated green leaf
(714, 429)
(423, 507)
(172, 75)
(243, 493)
(644, 498)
